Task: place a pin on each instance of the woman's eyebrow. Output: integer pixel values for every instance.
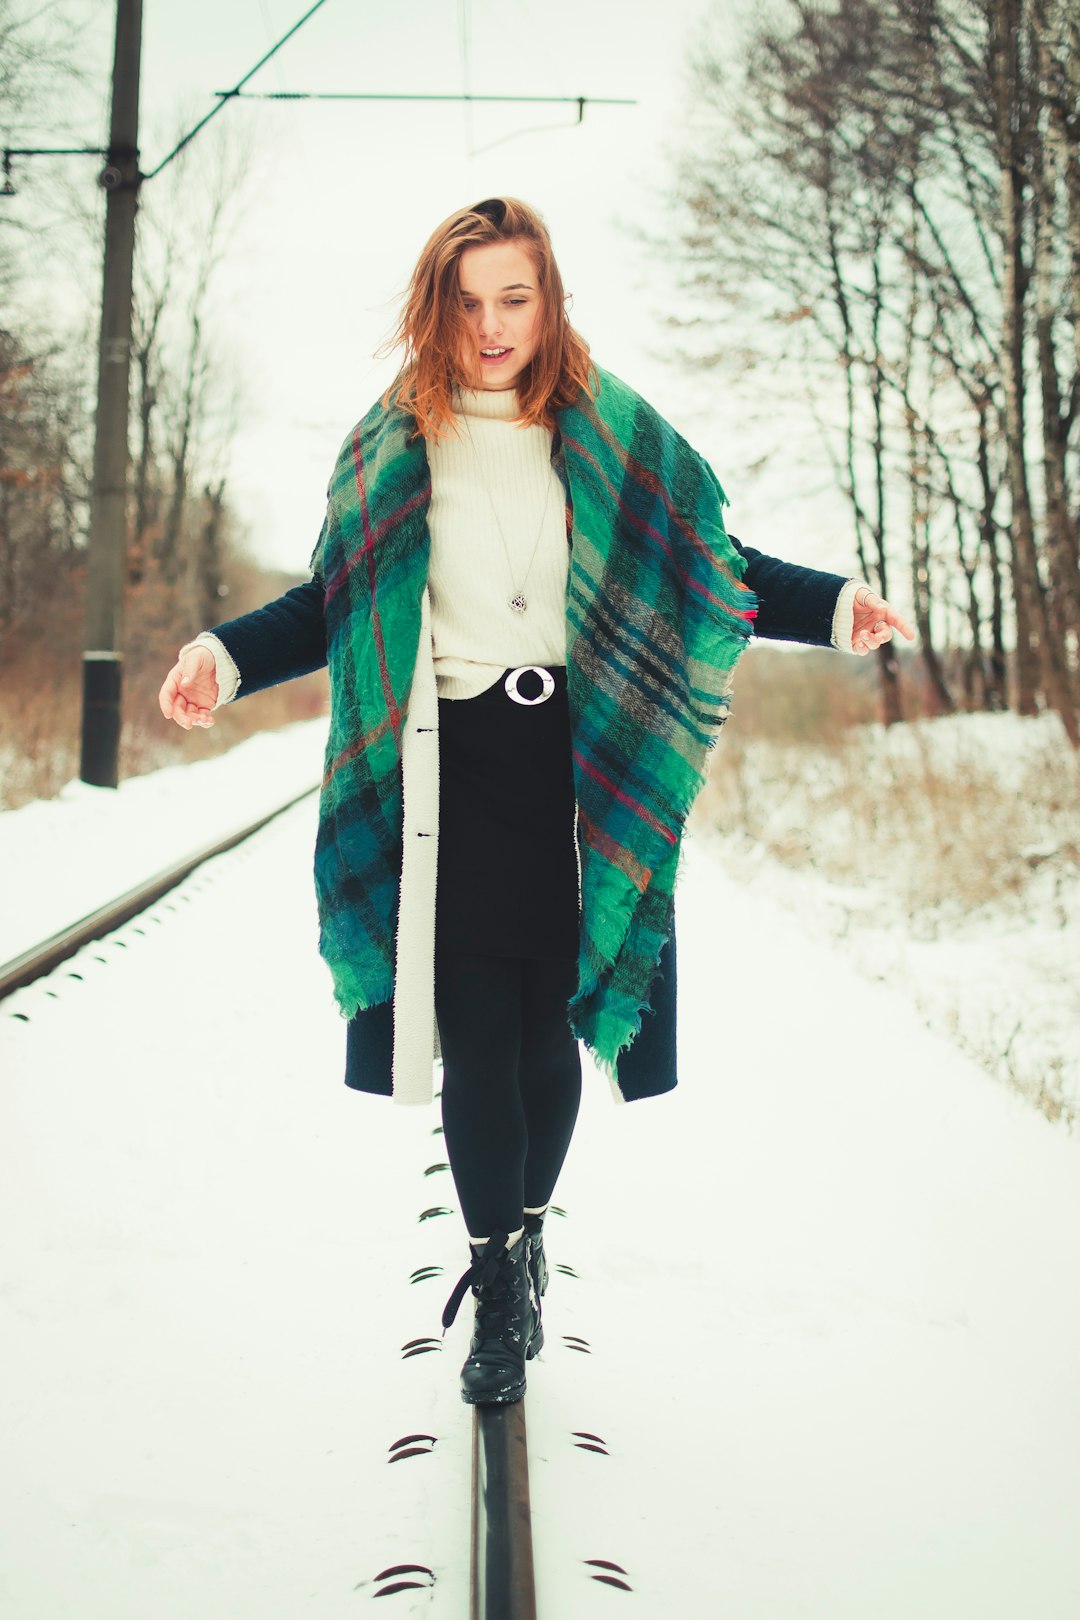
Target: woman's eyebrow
(513, 287)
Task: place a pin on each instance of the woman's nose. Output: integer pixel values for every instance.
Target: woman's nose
(490, 323)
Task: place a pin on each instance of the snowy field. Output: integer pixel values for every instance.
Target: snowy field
(943, 858)
(829, 1287)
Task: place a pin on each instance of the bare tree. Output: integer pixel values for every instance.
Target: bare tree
(42, 410)
(182, 388)
(897, 177)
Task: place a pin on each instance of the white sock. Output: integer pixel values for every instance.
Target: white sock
(478, 1243)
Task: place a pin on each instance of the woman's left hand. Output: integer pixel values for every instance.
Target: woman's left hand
(874, 621)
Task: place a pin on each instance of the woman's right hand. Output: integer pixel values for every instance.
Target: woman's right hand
(191, 689)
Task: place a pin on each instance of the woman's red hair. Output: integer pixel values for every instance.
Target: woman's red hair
(433, 324)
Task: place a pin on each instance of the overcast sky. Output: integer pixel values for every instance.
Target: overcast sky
(340, 199)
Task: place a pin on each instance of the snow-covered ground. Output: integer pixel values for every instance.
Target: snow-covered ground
(943, 858)
(829, 1288)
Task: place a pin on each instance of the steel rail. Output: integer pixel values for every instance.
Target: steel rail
(502, 1584)
(49, 953)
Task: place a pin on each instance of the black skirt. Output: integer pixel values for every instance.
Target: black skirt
(508, 859)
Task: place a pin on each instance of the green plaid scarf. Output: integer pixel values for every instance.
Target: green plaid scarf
(656, 619)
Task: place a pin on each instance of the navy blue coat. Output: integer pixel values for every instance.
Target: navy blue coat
(287, 638)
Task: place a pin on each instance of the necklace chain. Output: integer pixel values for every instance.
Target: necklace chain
(518, 602)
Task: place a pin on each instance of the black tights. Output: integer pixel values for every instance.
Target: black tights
(511, 1081)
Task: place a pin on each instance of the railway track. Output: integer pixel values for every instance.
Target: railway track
(502, 1581)
(48, 954)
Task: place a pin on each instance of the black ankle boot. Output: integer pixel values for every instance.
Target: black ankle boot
(507, 1331)
(534, 1248)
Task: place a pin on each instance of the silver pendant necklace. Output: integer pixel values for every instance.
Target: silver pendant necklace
(518, 602)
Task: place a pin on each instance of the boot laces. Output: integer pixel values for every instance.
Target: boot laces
(483, 1272)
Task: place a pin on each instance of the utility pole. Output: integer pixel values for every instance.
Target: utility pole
(103, 655)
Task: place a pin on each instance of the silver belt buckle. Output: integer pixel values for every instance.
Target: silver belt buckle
(510, 685)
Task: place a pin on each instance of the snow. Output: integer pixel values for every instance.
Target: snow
(959, 884)
(829, 1285)
(64, 857)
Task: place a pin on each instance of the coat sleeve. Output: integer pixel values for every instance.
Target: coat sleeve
(278, 642)
(794, 603)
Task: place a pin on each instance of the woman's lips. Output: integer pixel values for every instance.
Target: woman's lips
(495, 359)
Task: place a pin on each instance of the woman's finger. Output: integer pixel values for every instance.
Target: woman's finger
(169, 691)
(869, 602)
(900, 623)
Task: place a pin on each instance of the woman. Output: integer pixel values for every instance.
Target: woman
(531, 614)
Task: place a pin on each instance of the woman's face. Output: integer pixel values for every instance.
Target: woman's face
(501, 299)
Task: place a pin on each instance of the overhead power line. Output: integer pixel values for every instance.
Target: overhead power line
(238, 93)
(386, 95)
(228, 95)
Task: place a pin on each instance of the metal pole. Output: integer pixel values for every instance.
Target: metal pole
(103, 656)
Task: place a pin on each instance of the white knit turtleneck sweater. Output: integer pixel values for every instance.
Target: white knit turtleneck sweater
(498, 525)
